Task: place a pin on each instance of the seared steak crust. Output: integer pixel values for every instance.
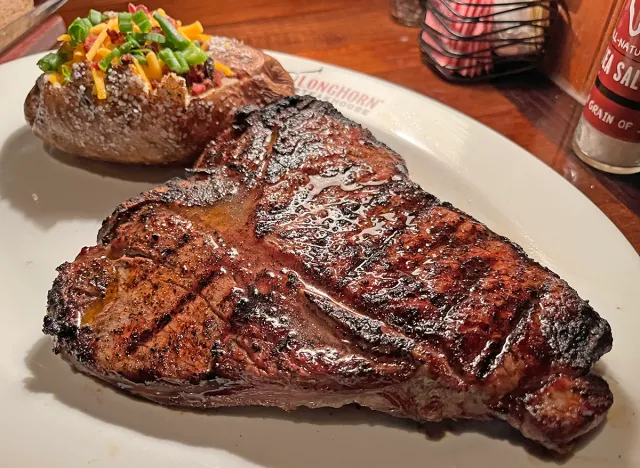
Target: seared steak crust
(299, 265)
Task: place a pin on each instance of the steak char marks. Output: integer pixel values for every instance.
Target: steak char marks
(299, 265)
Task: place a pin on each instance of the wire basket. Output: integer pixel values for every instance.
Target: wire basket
(474, 41)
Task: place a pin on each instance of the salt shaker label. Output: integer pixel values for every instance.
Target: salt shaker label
(613, 107)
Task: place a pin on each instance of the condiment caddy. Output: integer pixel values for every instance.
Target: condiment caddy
(481, 39)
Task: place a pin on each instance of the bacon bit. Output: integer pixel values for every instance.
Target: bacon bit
(196, 75)
(116, 37)
(154, 83)
(133, 8)
(91, 38)
(95, 65)
(113, 35)
(198, 88)
(126, 59)
(217, 78)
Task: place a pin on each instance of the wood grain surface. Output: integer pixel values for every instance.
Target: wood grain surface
(580, 38)
(359, 34)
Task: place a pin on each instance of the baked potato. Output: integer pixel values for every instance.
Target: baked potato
(139, 87)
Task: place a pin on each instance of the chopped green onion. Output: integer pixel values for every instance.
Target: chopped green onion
(66, 73)
(142, 52)
(175, 39)
(105, 63)
(193, 55)
(103, 17)
(184, 66)
(65, 53)
(124, 22)
(139, 37)
(155, 37)
(140, 58)
(78, 30)
(197, 44)
(173, 61)
(87, 21)
(95, 17)
(128, 47)
(152, 37)
(131, 40)
(50, 62)
(140, 18)
(166, 55)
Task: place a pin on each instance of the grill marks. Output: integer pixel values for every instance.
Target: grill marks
(162, 305)
(166, 318)
(499, 344)
(335, 225)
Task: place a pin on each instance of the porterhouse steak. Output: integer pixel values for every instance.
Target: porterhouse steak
(297, 264)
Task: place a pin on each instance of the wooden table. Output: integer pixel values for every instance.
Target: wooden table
(359, 34)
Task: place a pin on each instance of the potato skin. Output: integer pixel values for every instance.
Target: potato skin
(166, 126)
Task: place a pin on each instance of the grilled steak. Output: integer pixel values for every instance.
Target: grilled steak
(299, 265)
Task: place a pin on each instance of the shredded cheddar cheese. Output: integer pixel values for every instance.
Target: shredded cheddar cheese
(101, 53)
(100, 39)
(137, 67)
(154, 68)
(191, 31)
(78, 56)
(98, 28)
(224, 69)
(98, 80)
(65, 38)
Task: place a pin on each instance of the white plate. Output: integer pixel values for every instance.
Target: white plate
(50, 208)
